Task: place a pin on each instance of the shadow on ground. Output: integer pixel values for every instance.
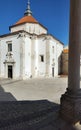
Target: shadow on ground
(29, 115)
(6, 96)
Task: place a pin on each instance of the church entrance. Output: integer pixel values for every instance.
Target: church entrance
(53, 72)
(10, 71)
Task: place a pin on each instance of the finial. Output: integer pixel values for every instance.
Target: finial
(28, 11)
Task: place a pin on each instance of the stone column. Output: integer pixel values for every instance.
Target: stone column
(71, 101)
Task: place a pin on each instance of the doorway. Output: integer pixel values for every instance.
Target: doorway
(10, 71)
(53, 72)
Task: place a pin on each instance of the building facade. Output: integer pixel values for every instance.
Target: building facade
(28, 51)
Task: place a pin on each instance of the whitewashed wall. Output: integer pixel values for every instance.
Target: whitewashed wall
(52, 56)
(16, 55)
(30, 27)
(41, 51)
(27, 57)
(55, 56)
(36, 58)
(17, 28)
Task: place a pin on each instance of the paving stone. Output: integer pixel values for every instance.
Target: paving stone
(33, 112)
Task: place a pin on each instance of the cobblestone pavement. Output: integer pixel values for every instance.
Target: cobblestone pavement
(40, 111)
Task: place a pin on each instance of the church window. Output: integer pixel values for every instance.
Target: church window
(42, 58)
(9, 47)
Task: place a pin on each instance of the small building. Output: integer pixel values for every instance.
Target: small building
(65, 61)
(29, 51)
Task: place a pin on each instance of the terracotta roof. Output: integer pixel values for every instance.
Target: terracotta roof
(65, 51)
(27, 19)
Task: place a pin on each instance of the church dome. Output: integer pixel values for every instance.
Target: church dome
(27, 19)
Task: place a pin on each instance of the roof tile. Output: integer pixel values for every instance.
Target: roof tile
(65, 51)
(27, 19)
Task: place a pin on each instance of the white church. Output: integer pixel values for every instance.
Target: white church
(28, 51)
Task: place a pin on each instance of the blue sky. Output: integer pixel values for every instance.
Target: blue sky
(53, 14)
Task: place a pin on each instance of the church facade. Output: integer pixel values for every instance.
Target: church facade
(28, 51)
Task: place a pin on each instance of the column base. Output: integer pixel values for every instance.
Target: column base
(70, 108)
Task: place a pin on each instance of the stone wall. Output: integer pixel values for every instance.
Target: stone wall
(65, 62)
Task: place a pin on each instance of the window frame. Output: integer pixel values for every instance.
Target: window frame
(42, 58)
(9, 47)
